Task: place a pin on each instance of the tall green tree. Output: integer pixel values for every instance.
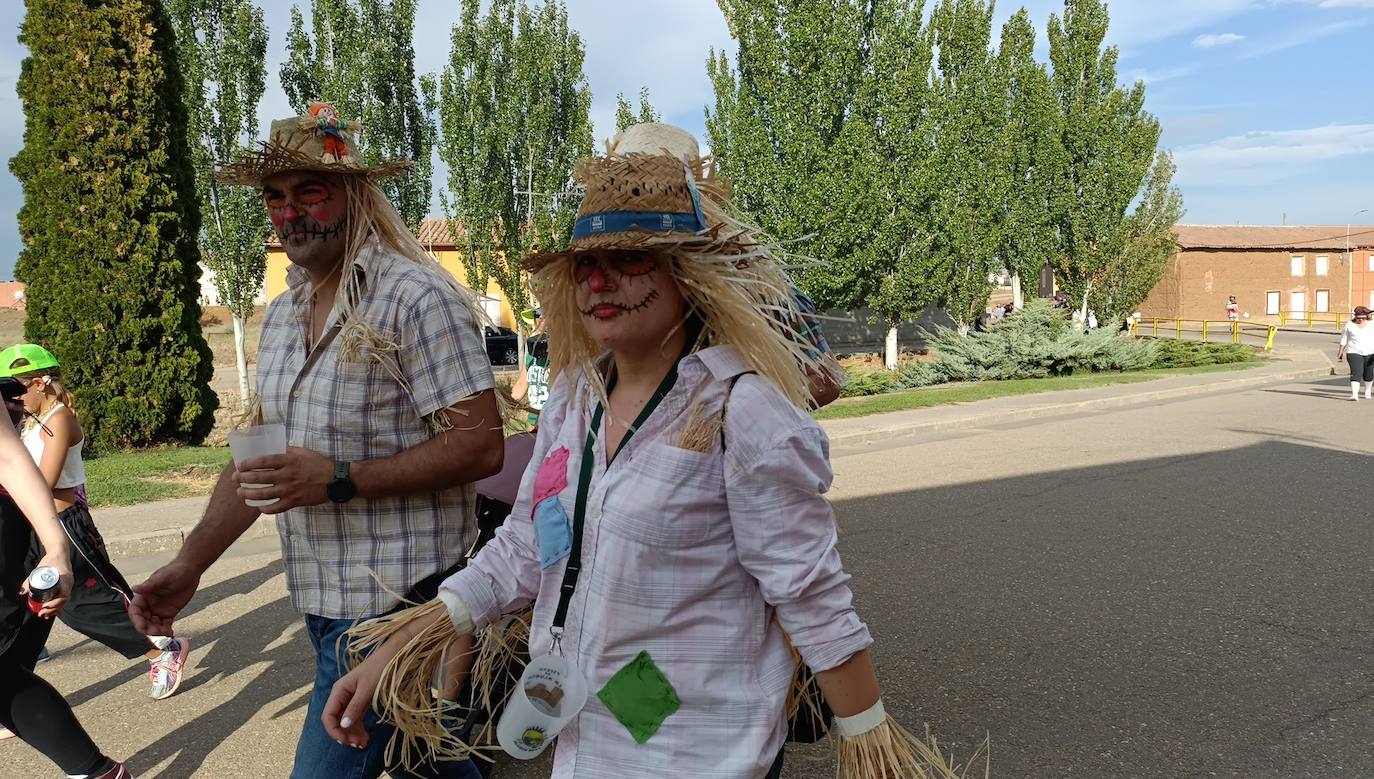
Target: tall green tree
(1150, 243)
(110, 220)
(625, 113)
(823, 125)
(514, 117)
(1108, 142)
(970, 159)
(222, 48)
(360, 56)
(1032, 156)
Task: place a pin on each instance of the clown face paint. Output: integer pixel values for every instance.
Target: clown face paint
(628, 300)
(309, 212)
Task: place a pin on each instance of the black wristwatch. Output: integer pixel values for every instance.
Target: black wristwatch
(342, 489)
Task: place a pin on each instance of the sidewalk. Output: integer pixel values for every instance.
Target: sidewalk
(154, 528)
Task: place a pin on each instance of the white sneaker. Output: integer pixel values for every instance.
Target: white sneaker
(168, 668)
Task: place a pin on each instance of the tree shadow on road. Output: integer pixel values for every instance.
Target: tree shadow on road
(1153, 618)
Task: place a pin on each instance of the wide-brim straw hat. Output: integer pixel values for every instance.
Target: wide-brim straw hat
(653, 189)
(298, 143)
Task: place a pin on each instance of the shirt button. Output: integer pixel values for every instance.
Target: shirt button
(296, 395)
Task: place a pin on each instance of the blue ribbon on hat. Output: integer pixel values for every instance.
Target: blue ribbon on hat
(608, 222)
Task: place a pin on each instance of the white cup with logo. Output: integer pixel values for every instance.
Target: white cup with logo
(552, 691)
(257, 441)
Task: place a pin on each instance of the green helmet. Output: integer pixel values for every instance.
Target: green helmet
(26, 358)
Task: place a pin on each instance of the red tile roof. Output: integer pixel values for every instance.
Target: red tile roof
(1330, 237)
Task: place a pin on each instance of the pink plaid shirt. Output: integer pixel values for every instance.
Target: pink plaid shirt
(702, 559)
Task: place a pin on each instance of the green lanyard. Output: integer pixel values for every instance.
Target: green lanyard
(584, 480)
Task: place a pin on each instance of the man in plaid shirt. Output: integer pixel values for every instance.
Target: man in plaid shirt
(373, 360)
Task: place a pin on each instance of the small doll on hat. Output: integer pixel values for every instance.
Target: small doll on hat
(332, 126)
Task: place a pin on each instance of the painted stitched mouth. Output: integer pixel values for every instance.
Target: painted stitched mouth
(624, 309)
(315, 233)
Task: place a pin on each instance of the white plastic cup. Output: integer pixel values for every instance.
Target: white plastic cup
(257, 441)
(552, 691)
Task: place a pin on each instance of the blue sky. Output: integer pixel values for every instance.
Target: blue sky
(1268, 105)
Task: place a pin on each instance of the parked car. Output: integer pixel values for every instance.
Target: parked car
(502, 346)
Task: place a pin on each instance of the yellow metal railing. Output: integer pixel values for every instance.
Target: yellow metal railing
(1206, 327)
(1309, 318)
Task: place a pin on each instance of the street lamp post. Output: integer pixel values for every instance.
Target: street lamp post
(1350, 262)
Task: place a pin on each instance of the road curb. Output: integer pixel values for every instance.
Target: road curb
(170, 539)
(902, 430)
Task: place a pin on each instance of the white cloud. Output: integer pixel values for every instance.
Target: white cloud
(1339, 3)
(1279, 147)
(1301, 37)
(1158, 76)
(1212, 40)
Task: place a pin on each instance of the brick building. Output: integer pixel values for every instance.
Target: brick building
(1288, 269)
(12, 295)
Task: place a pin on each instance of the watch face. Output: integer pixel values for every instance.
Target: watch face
(341, 491)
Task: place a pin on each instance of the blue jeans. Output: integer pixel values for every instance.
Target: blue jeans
(318, 756)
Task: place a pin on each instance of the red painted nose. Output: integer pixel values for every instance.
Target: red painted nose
(291, 214)
(597, 281)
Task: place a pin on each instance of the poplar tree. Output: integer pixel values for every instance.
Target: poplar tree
(625, 113)
(514, 116)
(222, 48)
(360, 57)
(110, 219)
(1108, 142)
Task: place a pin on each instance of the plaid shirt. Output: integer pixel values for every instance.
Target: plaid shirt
(358, 411)
(702, 559)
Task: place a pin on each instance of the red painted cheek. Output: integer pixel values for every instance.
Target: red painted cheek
(275, 216)
(597, 281)
(321, 214)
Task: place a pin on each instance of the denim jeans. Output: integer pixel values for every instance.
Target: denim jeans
(318, 756)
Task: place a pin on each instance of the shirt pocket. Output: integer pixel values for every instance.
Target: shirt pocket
(669, 497)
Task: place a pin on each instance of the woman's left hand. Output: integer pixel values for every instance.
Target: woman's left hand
(350, 700)
(53, 606)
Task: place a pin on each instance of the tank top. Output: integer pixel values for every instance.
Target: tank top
(73, 469)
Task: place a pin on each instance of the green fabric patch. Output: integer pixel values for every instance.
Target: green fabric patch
(641, 697)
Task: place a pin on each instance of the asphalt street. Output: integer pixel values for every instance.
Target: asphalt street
(1166, 590)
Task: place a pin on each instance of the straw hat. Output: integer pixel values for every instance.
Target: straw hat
(653, 189)
(319, 140)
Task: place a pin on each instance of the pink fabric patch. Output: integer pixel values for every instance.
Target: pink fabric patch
(552, 476)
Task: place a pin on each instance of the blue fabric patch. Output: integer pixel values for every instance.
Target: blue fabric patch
(553, 530)
(628, 221)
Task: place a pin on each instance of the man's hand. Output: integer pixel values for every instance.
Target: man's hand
(298, 478)
(162, 596)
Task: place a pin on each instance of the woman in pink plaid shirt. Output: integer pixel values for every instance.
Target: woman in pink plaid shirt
(671, 530)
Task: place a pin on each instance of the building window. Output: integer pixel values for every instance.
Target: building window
(1371, 261)
(1271, 302)
(1322, 264)
(1323, 301)
(1297, 302)
(1297, 266)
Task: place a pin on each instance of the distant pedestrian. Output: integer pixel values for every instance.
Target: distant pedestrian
(1008, 311)
(998, 312)
(1357, 347)
(1092, 320)
(1232, 309)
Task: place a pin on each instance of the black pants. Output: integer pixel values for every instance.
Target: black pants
(29, 706)
(99, 608)
(1361, 366)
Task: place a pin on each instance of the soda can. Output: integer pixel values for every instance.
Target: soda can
(42, 587)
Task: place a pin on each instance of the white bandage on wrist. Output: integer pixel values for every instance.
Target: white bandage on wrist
(861, 723)
(457, 612)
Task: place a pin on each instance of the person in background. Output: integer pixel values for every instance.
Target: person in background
(1232, 309)
(31, 536)
(1357, 347)
(99, 607)
(533, 383)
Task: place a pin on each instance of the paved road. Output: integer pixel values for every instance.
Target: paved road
(1171, 590)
